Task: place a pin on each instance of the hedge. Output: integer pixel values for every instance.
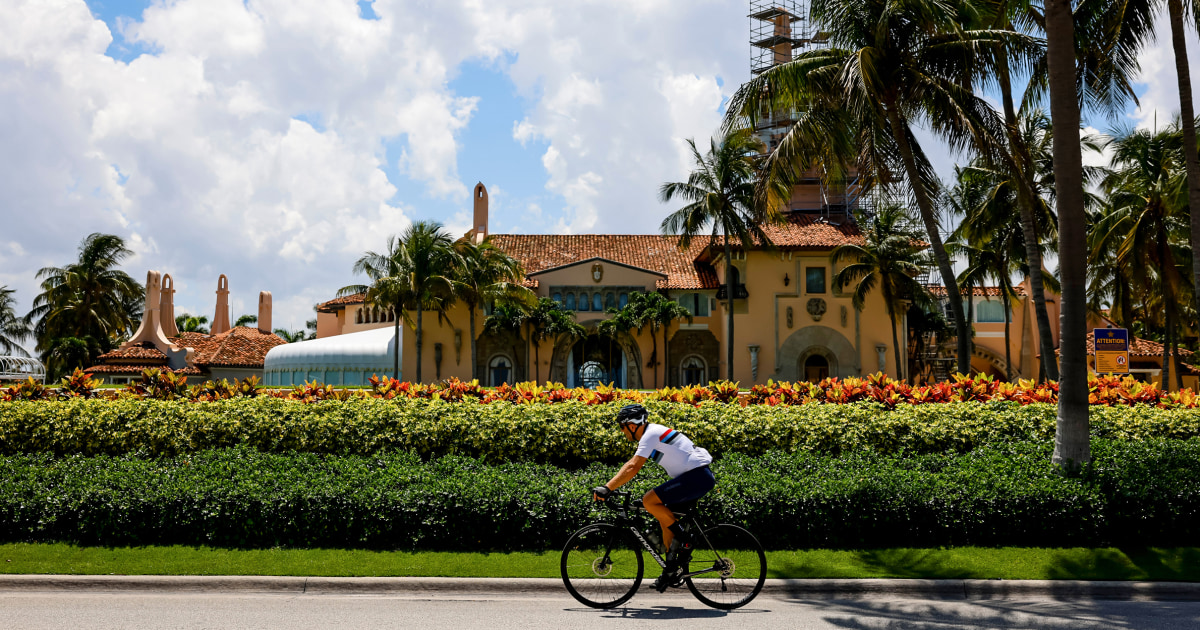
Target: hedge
(1139, 493)
(570, 433)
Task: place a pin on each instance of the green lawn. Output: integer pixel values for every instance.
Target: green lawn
(964, 562)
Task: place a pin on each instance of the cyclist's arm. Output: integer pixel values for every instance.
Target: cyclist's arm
(627, 472)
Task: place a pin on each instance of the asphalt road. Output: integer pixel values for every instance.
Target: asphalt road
(137, 611)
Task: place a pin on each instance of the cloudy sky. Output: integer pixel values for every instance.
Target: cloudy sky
(277, 140)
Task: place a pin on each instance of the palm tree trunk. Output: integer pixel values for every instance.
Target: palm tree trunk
(1072, 448)
(537, 360)
(396, 347)
(666, 357)
(420, 311)
(900, 134)
(729, 289)
(896, 347)
(1165, 381)
(1175, 360)
(1022, 167)
(970, 289)
(1188, 124)
(474, 355)
(654, 356)
(1008, 372)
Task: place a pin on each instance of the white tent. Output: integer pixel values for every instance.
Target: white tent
(348, 359)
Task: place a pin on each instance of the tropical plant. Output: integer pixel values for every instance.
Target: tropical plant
(416, 274)
(13, 330)
(291, 336)
(1149, 218)
(723, 202)
(889, 260)
(508, 317)
(246, 319)
(545, 319)
(487, 274)
(186, 322)
(891, 65)
(89, 299)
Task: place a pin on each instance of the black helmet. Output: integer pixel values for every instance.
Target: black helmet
(632, 414)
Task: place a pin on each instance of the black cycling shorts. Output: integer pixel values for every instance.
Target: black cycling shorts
(689, 486)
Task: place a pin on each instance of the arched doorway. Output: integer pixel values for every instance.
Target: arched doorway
(500, 371)
(816, 341)
(693, 371)
(596, 360)
(815, 368)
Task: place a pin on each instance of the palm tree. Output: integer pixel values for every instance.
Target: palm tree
(621, 321)
(1148, 217)
(87, 299)
(186, 322)
(291, 336)
(487, 274)
(664, 311)
(561, 325)
(721, 200)
(13, 330)
(890, 65)
(415, 274)
(890, 259)
(1072, 446)
(544, 320)
(509, 317)
(246, 319)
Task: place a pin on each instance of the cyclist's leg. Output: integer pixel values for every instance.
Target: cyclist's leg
(661, 513)
(689, 486)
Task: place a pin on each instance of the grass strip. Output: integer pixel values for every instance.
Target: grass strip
(1012, 563)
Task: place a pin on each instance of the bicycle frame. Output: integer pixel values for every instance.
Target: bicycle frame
(624, 519)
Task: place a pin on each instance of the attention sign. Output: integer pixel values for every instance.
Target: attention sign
(1112, 350)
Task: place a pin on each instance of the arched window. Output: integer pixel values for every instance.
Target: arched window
(692, 371)
(358, 316)
(624, 300)
(816, 368)
(591, 374)
(570, 301)
(597, 301)
(610, 300)
(557, 297)
(584, 303)
(735, 277)
(499, 370)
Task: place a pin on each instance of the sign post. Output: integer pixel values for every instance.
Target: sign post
(1112, 350)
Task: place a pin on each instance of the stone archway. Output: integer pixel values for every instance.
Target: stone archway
(991, 359)
(507, 344)
(686, 343)
(816, 340)
(564, 344)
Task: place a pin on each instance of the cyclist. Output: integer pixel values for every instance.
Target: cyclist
(691, 478)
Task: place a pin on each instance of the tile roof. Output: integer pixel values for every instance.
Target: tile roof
(807, 232)
(144, 352)
(136, 370)
(240, 346)
(940, 290)
(539, 252)
(1138, 347)
(332, 305)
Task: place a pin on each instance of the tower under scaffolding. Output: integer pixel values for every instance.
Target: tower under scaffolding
(779, 29)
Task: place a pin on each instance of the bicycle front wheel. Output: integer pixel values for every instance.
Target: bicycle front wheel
(602, 565)
(734, 567)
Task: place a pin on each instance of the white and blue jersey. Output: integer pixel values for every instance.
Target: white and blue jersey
(672, 450)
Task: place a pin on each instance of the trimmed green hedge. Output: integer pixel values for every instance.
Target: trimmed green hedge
(1139, 493)
(569, 433)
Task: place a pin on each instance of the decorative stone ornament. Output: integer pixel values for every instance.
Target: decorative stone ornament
(816, 308)
(597, 272)
(844, 313)
(789, 317)
(754, 361)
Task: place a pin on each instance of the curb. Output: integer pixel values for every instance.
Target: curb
(957, 589)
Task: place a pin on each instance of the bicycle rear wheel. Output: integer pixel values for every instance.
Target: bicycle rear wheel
(735, 567)
(602, 565)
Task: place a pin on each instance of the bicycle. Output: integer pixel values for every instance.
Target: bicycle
(602, 563)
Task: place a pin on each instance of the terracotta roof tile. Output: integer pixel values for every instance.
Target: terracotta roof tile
(240, 346)
(539, 252)
(807, 232)
(334, 304)
(1138, 347)
(141, 352)
(136, 370)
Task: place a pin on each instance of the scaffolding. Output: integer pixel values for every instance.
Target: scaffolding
(777, 27)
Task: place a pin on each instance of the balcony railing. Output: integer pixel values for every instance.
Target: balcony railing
(739, 293)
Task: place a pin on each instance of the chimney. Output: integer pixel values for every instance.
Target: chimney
(151, 327)
(220, 322)
(166, 309)
(782, 52)
(480, 226)
(264, 312)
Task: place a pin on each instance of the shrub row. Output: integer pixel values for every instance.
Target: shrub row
(1140, 493)
(166, 385)
(565, 434)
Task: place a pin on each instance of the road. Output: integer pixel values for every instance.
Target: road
(224, 611)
